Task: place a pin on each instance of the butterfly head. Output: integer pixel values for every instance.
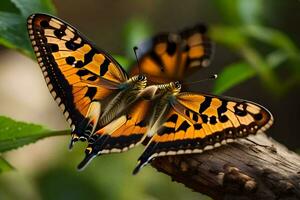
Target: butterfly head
(139, 81)
(172, 87)
(141, 77)
(175, 87)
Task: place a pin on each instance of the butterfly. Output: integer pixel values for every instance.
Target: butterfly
(181, 122)
(115, 113)
(89, 85)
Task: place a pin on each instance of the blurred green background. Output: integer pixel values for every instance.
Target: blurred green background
(257, 58)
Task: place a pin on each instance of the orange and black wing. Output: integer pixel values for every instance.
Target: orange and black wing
(198, 122)
(76, 72)
(169, 56)
(122, 134)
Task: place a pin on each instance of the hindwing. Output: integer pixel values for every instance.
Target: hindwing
(122, 134)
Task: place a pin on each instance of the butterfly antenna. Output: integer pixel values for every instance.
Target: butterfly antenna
(211, 77)
(136, 57)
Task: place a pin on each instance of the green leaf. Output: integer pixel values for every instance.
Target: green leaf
(4, 165)
(276, 58)
(8, 6)
(230, 36)
(275, 38)
(236, 73)
(15, 134)
(13, 20)
(250, 11)
(233, 75)
(28, 7)
(13, 33)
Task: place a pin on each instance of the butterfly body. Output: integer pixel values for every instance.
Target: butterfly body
(126, 95)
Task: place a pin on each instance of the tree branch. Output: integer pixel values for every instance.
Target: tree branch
(240, 170)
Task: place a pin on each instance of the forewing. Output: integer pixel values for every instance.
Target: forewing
(76, 72)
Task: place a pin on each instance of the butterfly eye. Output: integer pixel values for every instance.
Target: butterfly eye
(177, 85)
(141, 77)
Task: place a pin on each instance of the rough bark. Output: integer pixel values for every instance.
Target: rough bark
(239, 170)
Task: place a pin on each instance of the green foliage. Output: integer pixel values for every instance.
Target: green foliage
(27, 7)
(13, 17)
(15, 134)
(243, 28)
(274, 38)
(226, 80)
(237, 73)
(13, 35)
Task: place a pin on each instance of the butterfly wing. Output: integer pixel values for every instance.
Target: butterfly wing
(120, 135)
(198, 122)
(76, 72)
(168, 57)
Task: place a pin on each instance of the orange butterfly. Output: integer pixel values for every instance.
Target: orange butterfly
(115, 113)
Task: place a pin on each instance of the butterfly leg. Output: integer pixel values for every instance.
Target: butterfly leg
(95, 148)
(87, 126)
